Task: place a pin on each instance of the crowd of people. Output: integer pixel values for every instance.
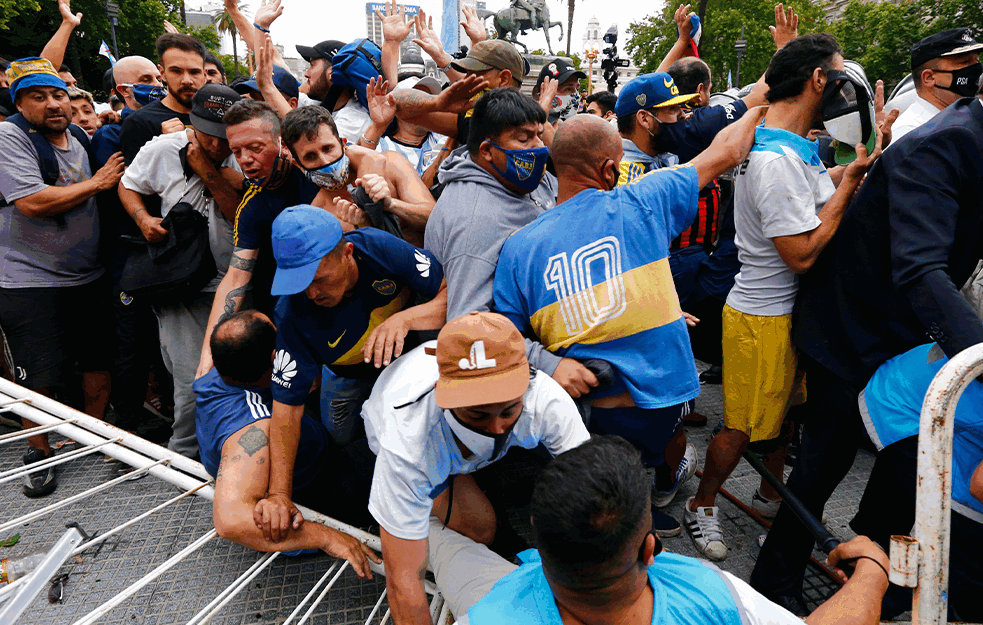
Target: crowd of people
(534, 272)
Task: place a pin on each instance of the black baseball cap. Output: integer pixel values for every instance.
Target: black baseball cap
(946, 43)
(559, 70)
(283, 80)
(324, 50)
(209, 106)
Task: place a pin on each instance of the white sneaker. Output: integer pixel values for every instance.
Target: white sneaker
(765, 507)
(703, 526)
(686, 469)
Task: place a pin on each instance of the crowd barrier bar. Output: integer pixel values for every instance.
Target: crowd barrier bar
(147, 458)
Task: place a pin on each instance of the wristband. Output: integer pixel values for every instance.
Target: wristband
(370, 141)
(875, 562)
(265, 30)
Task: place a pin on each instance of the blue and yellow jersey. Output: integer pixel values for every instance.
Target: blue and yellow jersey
(591, 279)
(390, 271)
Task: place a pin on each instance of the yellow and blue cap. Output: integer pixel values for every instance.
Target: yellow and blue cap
(302, 236)
(33, 71)
(649, 91)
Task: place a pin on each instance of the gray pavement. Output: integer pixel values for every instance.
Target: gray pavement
(98, 575)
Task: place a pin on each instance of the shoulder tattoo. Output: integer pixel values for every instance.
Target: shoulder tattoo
(253, 440)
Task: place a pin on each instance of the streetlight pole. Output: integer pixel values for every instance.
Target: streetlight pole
(591, 55)
(740, 46)
(112, 10)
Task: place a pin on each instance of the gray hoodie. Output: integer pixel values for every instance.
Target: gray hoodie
(466, 232)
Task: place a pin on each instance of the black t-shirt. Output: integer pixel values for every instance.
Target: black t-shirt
(688, 137)
(254, 227)
(143, 125)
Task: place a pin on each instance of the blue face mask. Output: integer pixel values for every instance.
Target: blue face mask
(145, 94)
(332, 176)
(523, 168)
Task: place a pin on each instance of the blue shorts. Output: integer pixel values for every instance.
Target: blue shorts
(649, 430)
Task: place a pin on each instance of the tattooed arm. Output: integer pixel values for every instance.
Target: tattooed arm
(228, 299)
(243, 476)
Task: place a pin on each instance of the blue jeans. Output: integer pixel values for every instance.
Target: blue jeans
(649, 430)
(341, 404)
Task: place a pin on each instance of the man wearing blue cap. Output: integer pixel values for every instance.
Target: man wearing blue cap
(343, 305)
(49, 240)
(644, 104)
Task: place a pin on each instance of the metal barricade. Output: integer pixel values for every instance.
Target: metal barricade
(922, 561)
(98, 437)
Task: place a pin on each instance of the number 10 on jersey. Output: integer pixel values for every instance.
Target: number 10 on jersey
(571, 281)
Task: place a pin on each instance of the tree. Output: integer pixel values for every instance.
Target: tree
(879, 36)
(225, 24)
(570, 7)
(10, 9)
(650, 39)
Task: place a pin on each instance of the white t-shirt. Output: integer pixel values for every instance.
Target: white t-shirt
(157, 170)
(919, 112)
(416, 449)
(351, 119)
(778, 192)
(419, 157)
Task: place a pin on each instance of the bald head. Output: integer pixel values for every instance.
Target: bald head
(242, 346)
(583, 143)
(134, 70)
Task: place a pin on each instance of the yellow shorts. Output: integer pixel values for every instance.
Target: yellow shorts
(760, 379)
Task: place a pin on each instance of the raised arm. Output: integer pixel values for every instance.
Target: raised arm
(681, 48)
(439, 113)
(729, 148)
(395, 29)
(429, 42)
(264, 75)
(54, 50)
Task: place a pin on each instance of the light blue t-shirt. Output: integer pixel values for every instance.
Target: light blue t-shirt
(891, 406)
(687, 592)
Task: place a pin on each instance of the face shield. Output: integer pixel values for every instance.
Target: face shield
(848, 114)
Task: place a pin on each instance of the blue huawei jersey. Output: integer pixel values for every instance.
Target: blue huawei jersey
(590, 278)
(891, 406)
(308, 336)
(686, 591)
(222, 409)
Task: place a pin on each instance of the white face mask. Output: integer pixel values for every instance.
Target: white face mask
(484, 446)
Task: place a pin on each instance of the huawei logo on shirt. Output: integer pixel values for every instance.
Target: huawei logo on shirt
(284, 368)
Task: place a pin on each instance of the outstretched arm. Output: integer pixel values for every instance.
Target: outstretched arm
(429, 42)
(395, 29)
(243, 475)
(54, 50)
(859, 601)
(228, 299)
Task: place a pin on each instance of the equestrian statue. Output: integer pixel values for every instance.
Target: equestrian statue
(520, 17)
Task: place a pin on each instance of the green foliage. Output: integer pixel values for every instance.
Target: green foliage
(651, 39)
(10, 9)
(879, 36)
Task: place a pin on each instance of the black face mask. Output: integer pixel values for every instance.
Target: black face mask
(965, 81)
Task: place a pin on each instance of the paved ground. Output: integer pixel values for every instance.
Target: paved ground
(98, 575)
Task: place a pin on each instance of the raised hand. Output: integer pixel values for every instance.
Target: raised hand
(428, 39)
(268, 11)
(394, 24)
(786, 26)
(683, 23)
(67, 17)
(547, 91)
(382, 104)
(473, 26)
(457, 97)
(170, 28)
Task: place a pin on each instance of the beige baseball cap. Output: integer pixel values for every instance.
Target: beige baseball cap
(493, 54)
(482, 360)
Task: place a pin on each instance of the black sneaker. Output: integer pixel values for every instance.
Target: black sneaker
(39, 483)
(664, 525)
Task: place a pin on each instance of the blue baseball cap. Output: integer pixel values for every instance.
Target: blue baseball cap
(283, 80)
(33, 71)
(302, 236)
(649, 91)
